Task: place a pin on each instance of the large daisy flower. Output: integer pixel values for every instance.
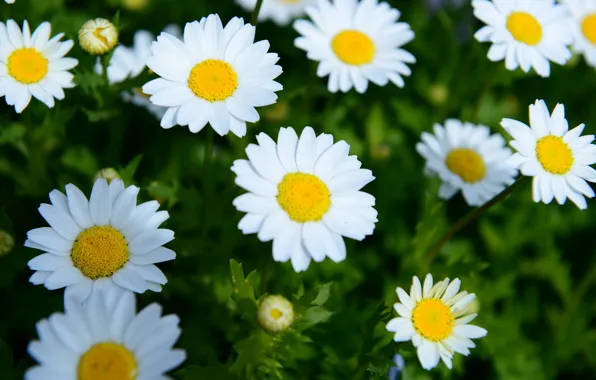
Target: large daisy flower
(436, 320)
(557, 158)
(525, 33)
(468, 158)
(106, 241)
(304, 194)
(105, 338)
(33, 65)
(216, 75)
(583, 24)
(282, 12)
(355, 43)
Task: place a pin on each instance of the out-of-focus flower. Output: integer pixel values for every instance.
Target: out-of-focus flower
(583, 24)
(398, 368)
(282, 12)
(98, 36)
(108, 174)
(9, 1)
(6, 243)
(135, 5)
(275, 313)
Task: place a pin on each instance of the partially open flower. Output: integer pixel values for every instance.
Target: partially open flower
(98, 36)
(275, 313)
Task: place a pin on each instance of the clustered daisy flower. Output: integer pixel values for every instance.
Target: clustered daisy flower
(583, 25)
(356, 42)
(282, 12)
(275, 313)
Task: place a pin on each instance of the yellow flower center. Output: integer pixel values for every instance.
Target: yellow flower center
(589, 27)
(432, 319)
(554, 154)
(107, 361)
(275, 314)
(353, 47)
(213, 80)
(467, 164)
(99, 251)
(303, 196)
(524, 27)
(27, 65)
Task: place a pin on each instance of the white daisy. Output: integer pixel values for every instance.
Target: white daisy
(435, 318)
(356, 42)
(525, 33)
(106, 241)
(557, 158)
(468, 158)
(304, 195)
(275, 313)
(33, 65)
(282, 12)
(216, 75)
(9, 1)
(583, 24)
(105, 338)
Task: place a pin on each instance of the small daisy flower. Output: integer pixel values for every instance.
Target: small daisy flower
(275, 313)
(436, 320)
(282, 12)
(468, 158)
(583, 24)
(216, 75)
(304, 194)
(557, 158)
(105, 338)
(106, 241)
(525, 33)
(33, 65)
(98, 36)
(356, 42)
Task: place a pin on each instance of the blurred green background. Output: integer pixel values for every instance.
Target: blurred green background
(532, 266)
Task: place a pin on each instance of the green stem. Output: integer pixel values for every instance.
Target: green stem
(105, 61)
(470, 216)
(255, 13)
(207, 179)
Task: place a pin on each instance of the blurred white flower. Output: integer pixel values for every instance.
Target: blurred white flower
(583, 24)
(282, 12)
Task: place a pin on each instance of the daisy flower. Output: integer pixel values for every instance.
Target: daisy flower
(275, 313)
(583, 24)
(33, 65)
(557, 158)
(215, 75)
(304, 195)
(9, 1)
(282, 12)
(468, 158)
(436, 320)
(105, 338)
(356, 42)
(98, 36)
(106, 241)
(525, 33)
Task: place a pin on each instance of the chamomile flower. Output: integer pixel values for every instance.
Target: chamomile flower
(436, 320)
(525, 33)
(559, 159)
(105, 338)
(468, 158)
(304, 194)
(356, 42)
(282, 12)
(216, 75)
(106, 241)
(98, 36)
(33, 65)
(275, 313)
(583, 24)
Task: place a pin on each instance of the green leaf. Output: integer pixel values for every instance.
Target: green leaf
(313, 316)
(323, 294)
(127, 173)
(80, 158)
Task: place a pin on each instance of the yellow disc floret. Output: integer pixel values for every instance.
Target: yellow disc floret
(99, 251)
(524, 28)
(353, 47)
(554, 154)
(213, 80)
(304, 197)
(432, 319)
(467, 164)
(276, 313)
(107, 361)
(589, 28)
(27, 65)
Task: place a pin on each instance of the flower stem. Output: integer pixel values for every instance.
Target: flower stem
(255, 13)
(470, 216)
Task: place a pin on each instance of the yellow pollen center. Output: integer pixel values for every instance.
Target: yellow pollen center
(467, 164)
(524, 27)
(554, 154)
(589, 28)
(107, 361)
(353, 47)
(304, 197)
(213, 80)
(432, 319)
(99, 251)
(275, 314)
(27, 65)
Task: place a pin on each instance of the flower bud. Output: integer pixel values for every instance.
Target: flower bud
(98, 36)
(108, 173)
(135, 5)
(6, 243)
(275, 313)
